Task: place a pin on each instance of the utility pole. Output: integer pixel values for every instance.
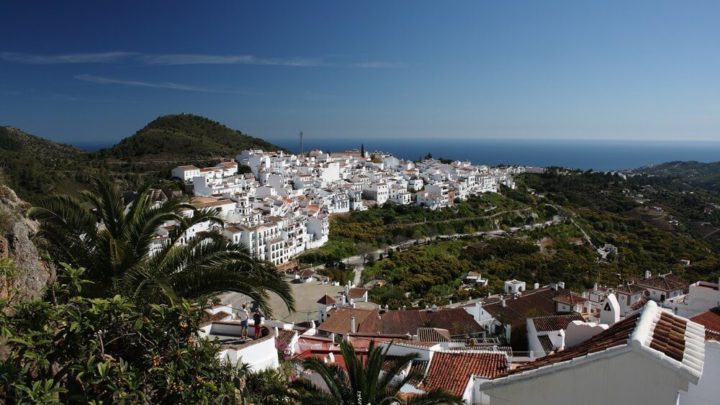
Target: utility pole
(301, 144)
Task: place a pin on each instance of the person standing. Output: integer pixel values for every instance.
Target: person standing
(257, 320)
(243, 316)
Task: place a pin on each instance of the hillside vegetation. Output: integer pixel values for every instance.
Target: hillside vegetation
(33, 165)
(183, 136)
(697, 174)
(36, 167)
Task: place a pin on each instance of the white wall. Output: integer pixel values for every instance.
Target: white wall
(707, 391)
(628, 378)
(259, 356)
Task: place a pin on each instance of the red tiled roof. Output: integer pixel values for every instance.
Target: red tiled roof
(339, 320)
(456, 320)
(616, 335)
(451, 371)
(569, 299)
(669, 336)
(531, 303)
(661, 332)
(284, 337)
(356, 293)
(555, 322)
(418, 367)
(326, 300)
(629, 289)
(667, 282)
(711, 320)
(433, 335)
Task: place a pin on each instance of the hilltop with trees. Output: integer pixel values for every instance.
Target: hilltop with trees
(36, 167)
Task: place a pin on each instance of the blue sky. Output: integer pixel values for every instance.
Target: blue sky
(98, 71)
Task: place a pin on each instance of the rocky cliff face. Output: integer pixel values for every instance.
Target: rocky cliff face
(23, 273)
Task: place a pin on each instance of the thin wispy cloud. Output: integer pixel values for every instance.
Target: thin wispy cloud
(192, 59)
(182, 59)
(379, 65)
(70, 58)
(142, 83)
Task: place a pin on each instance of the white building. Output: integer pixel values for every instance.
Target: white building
(625, 364)
(185, 173)
(378, 192)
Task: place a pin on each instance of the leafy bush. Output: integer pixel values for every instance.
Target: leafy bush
(110, 350)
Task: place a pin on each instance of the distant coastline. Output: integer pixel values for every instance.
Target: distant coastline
(577, 154)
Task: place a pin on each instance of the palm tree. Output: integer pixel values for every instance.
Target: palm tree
(113, 242)
(365, 381)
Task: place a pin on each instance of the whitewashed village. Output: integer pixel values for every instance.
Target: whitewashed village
(604, 345)
(282, 207)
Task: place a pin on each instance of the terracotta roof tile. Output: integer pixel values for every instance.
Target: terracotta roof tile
(711, 320)
(456, 320)
(629, 289)
(667, 282)
(418, 367)
(555, 322)
(569, 298)
(339, 320)
(356, 293)
(284, 337)
(617, 335)
(669, 336)
(531, 303)
(653, 329)
(326, 300)
(433, 335)
(451, 371)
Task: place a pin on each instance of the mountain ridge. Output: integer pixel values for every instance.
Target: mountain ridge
(173, 135)
(35, 166)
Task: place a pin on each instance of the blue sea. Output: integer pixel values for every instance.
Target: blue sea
(585, 154)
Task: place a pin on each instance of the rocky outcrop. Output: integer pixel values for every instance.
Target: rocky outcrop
(23, 272)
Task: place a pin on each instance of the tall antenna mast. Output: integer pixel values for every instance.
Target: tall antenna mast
(301, 144)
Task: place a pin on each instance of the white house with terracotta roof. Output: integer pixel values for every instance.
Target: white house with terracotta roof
(661, 287)
(648, 358)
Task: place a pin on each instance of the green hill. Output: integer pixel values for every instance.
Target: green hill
(33, 165)
(184, 137)
(696, 174)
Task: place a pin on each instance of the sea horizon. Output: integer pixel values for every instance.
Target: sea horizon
(585, 154)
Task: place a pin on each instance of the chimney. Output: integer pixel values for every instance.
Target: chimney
(561, 285)
(536, 286)
(353, 327)
(595, 287)
(648, 274)
(502, 301)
